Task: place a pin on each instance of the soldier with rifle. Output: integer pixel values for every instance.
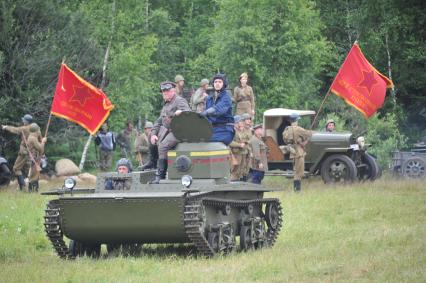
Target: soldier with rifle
(297, 137)
(35, 152)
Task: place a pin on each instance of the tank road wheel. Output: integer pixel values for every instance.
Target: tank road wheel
(213, 239)
(371, 170)
(260, 233)
(246, 240)
(338, 168)
(76, 248)
(229, 239)
(414, 168)
(272, 214)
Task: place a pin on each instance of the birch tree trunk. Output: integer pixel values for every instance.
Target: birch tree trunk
(393, 94)
(89, 140)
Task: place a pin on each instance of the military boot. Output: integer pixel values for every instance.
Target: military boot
(21, 182)
(30, 187)
(34, 186)
(161, 171)
(297, 185)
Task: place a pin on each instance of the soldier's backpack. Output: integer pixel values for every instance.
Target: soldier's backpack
(288, 135)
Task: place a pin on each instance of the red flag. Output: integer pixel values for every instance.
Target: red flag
(78, 101)
(360, 84)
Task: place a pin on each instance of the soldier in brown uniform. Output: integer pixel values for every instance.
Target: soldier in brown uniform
(36, 150)
(142, 144)
(180, 82)
(244, 97)
(259, 156)
(161, 134)
(297, 137)
(22, 159)
(198, 99)
(246, 135)
(238, 148)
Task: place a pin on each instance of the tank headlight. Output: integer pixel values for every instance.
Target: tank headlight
(361, 142)
(186, 181)
(70, 183)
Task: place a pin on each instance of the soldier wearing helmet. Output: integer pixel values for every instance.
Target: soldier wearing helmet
(330, 125)
(297, 137)
(180, 82)
(244, 97)
(219, 111)
(35, 152)
(123, 166)
(22, 159)
(198, 99)
(142, 144)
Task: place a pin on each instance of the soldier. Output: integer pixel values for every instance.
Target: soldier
(153, 151)
(219, 111)
(259, 158)
(244, 97)
(198, 99)
(123, 166)
(124, 140)
(180, 82)
(246, 135)
(297, 137)
(142, 144)
(330, 125)
(161, 134)
(106, 141)
(35, 152)
(22, 159)
(238, 148)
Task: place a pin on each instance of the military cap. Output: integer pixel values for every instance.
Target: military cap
(294, 117)
(245, 116)
(148, 124)
(167, 85)
(179, 78)
(204, 82)
(258, 126)
(27, 118)
(34, 128)
(124, 162)
(330, 121)
(237, 118)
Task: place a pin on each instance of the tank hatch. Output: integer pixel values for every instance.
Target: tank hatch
(190, 127)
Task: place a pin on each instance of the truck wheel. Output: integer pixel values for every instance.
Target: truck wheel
(414, 168)
(371, 170)
(338, 168)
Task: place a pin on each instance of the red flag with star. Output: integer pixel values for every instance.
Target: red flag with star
(360, 84)
(78, 101)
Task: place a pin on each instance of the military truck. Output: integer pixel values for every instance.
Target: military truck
(195, 204)
(337, 157)
(412, 163)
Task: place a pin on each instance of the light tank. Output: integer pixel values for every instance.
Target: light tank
(196, 204)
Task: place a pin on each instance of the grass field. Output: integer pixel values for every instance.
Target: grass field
(364, 232)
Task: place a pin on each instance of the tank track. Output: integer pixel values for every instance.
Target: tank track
(52, 226)
(194, 219)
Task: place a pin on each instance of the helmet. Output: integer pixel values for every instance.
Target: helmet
(257, 126)
(294, 117)
(237, 118)
(124, 162)
(148, 124)
(167, 85)
(204, 82)
(243, 75)
(34, 128)
(27, 118)
(179, 78)
(330, 121)
(245, 116)
(222, 77)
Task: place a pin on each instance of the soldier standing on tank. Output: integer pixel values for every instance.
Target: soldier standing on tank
(174, 105)
(106, 141)
(219, 111)
(22, 159)
(35, 152)
(180, 82)
(142, 144)
(244, 97)
(297, 137)
(330, 125)
(237, 147)
(124, 139)
(246, 134)
(259, 155)
(198, 99)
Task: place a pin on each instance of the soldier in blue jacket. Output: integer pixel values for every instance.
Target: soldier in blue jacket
(219, 111)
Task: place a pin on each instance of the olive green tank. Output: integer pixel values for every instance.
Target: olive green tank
(195, 204)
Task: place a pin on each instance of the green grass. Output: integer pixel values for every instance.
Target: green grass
(364, 232)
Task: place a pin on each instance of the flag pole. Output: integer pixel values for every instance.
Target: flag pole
(329, 89)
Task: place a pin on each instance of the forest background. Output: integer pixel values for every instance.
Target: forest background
(291, 50)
